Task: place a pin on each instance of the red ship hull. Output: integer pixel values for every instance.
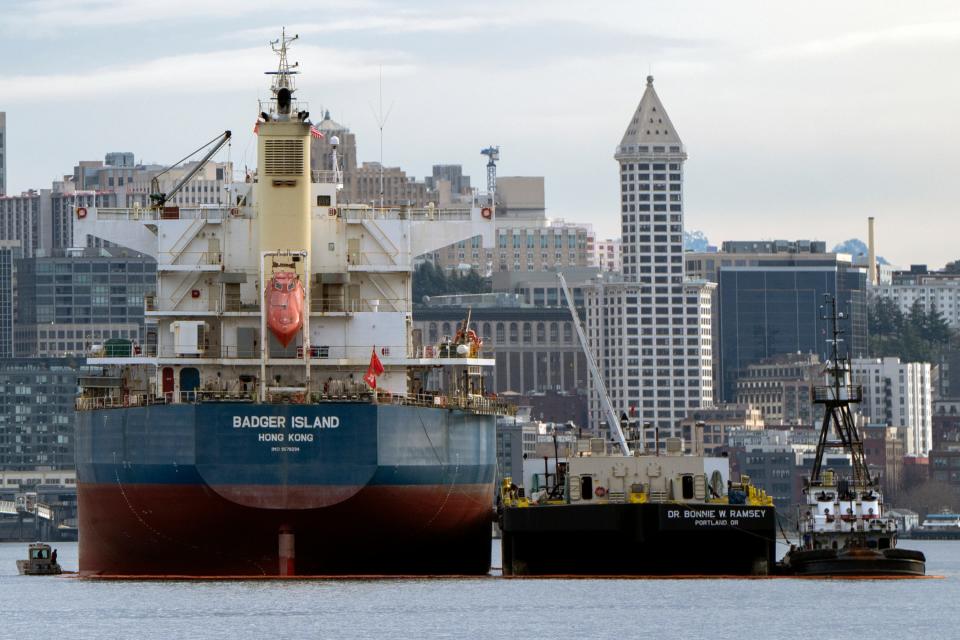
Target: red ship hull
(189, 530)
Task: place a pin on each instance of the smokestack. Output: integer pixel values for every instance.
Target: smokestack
(871, 254)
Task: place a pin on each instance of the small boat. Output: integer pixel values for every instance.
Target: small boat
(284, 305)
(41, 561)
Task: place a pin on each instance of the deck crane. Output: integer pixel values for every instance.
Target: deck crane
(594, 371)
(158, 199)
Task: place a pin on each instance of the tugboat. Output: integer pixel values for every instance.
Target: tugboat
(41, 561)
(842, 526)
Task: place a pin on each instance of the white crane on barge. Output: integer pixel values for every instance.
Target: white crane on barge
(595, 371)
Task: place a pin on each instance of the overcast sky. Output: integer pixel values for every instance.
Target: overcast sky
(799, 120)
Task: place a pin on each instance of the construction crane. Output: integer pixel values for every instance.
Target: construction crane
(612, 417)
(493, 153)
(158, 199)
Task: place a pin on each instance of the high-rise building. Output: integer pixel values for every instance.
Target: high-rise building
(607, 255)
(898, 394)
(67, 304)
(9, 252)
(781, 387)
(459, 184)
(3, 153)
(931, 289)
(651, 332)
(774, 307)
(37, 412)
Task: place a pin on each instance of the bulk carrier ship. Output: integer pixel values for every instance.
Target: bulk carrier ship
(288, 421)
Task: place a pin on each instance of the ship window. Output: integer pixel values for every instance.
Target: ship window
(586, 487)
(686, 483)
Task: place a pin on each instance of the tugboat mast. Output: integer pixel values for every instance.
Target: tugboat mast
(836, 397)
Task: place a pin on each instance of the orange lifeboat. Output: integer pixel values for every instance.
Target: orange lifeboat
(284, 305)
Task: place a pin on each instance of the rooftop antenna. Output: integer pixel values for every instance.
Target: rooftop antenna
(381, 119)
(493, 153)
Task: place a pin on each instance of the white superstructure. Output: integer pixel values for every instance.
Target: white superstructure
(355, 263)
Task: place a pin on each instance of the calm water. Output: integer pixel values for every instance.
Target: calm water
(69, 608)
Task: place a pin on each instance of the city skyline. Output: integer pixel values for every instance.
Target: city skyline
(797, 126)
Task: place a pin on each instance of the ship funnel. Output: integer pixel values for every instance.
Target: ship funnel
(283, 101)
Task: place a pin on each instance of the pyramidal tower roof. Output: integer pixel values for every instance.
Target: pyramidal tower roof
(650, 123)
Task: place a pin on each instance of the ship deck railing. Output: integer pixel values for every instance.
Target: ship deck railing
(189, 212)
(364, 212)
(845, 393)
(472, 403)
(318, 353)
(220, 212)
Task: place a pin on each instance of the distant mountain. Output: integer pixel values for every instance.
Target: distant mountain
(696, 241)
(857, 248)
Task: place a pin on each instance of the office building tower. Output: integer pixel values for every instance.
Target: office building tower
(3, 153)
(651, 331)
(775, 307)
(898, 394)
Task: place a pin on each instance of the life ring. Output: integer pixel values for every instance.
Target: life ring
(235, 212)
(486, 212)
(81, 212)
(600, 492)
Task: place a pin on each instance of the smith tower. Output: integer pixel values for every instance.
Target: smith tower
(651, 331)
(651, 158)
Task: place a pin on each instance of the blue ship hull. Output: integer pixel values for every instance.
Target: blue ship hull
(229, 488)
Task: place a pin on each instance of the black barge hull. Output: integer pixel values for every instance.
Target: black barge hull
(638, 540)
(854, 563)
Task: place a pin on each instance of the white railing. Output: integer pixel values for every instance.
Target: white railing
(190, 212)
(349, 212)
(357, 393)
(318, 352)
(191, 258)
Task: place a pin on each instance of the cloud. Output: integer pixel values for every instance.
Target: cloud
(58, 14)
(406, 22)
(205, 72)
(907, 35)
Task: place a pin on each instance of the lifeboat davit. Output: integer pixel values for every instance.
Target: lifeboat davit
(284, 305)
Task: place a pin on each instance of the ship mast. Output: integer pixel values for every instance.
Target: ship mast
(836, 397)
(285, 71)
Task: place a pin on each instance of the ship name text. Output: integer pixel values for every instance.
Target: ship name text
(280, 422)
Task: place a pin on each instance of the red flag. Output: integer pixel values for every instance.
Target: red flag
(256, 128)
(316, 133)
(375, 369)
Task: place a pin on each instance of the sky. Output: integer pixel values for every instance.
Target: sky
(800, 119)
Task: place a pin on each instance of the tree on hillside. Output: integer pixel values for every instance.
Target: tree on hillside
(430, 280)
(915, 336)
(929, 497)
